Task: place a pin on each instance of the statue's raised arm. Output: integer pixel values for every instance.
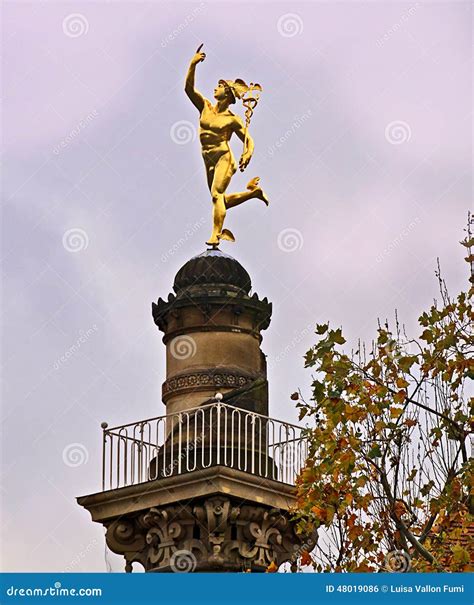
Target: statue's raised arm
(217, 124)
(195, 96)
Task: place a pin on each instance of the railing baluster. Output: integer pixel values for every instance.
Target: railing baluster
(203, 436)
(224, 410)
(171, 464)
(218, 433)
(117, 477)
(180, 438)
(111, 467)
(275, 461)
(187, 450)
(160, 446)
(252, 424)
(165, 447)
(195, 442)
(232, 430)
(147, 453)
(246, 441)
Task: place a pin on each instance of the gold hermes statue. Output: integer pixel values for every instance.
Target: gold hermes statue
(216, 126)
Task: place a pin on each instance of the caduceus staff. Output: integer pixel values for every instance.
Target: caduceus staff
(217, 124)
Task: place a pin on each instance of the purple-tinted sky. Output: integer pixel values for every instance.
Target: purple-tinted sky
(363, 144)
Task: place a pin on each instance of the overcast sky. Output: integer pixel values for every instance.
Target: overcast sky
(362, 135)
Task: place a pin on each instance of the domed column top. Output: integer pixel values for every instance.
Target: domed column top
(212, 331)
(212, 268)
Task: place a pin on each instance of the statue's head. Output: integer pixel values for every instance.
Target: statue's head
(223, 91)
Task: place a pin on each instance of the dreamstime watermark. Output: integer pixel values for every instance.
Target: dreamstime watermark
(397, 561)
(188, 234)
(183, 561)
(398, 132)
(183, 347)
(290, 25)
(183, 25)
(183, 132)
(80, 126)
(307, 546)
(296, 125)
(75, 454)
(398, 25)
(290, 240)
(80, 556)
(53, 591)
(398, 240)
(294, 342)
(75, 240)
(75, 25)
(84, 336)
(189, 449)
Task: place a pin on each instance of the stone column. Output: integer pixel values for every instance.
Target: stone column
(212, 332)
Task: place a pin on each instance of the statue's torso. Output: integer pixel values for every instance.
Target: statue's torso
(215, 128)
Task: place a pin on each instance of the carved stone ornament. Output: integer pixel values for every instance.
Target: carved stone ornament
(205, 379)
(217, 534)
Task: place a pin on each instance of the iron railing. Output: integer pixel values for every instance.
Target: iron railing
(210, 435)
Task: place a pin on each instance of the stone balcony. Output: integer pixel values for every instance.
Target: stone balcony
(213, 485)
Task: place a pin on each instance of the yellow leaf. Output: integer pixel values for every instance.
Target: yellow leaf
(319, 512)
(272, 568)
(396, 412)
(330, 512)
(460, 555)
(400, 396)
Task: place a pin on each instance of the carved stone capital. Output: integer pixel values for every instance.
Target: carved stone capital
(212, 534)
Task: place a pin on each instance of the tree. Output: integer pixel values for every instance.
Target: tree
(388, 480)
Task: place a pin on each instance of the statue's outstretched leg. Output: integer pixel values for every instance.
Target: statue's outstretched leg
(253, 191)
(223, 171)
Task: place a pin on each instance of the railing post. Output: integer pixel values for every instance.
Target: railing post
(224, 445)
(218, 432)
(103, 426)
(252, 422)
(180, 438)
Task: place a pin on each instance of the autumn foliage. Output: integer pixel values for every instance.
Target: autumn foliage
(388, 482)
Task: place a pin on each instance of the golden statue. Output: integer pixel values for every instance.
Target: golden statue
(216, 126)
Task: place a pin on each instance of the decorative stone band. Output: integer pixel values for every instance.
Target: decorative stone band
(210, 534)
(204, 380)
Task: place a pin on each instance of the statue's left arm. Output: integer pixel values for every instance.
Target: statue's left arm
(245, 137)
